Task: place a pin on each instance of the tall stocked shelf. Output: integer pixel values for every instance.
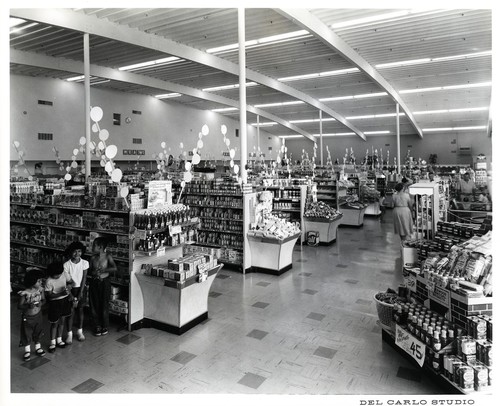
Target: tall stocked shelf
(328, 192)
(426, 205)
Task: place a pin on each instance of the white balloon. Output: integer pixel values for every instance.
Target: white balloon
(58, 161)
(16, 144)
(111, 151)
(75, 151)
(205, 130)
(160, 155)
(158, 166)
(21, 153)
(181, 145)
(124, 192)
(200, 136)
(116, 175)
(83, 171)
(183, 184)
(231, 163)
(223, 129)
(286, 149)
(30, 177)
(108, 167)
(95, 128)
(74, 164)
(200, 144)
(68, 168)
(81, 149)
(163, 145)
(103, 135)
(184, 153)
(16, 170)
(101, 145)
(96, 113)
(188, 166)
(282, 148)
(228, 142)
(236, 169)
(83, 140)
(195, 151)
(73, 157)
(165, 151)
(188, 176)
(240, 181)
(196, 159)
(103, 163)
(232, 153)
(67, 176)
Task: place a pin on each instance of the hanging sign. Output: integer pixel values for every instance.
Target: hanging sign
(411, 345)
(160, 193)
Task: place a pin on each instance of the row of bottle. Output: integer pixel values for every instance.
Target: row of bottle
(154, 242)
(227, 214)
(222, 225)
(285, 206)
(160, 219)
(224, 240)
(287, 193)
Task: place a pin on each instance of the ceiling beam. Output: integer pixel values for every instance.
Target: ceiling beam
(90, 24)
(320, 30)
(76, 67)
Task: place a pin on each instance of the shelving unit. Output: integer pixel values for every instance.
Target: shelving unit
(426, 203)
(328, 192)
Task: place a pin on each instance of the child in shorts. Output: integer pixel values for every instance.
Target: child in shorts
(77, 268)
(58, 292)
(30, 302)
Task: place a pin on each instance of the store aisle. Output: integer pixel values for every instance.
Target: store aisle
(310, 331)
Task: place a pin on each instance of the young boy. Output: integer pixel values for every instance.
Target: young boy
(30, 302)
(58, 291)
(101, 265)
(77, 268)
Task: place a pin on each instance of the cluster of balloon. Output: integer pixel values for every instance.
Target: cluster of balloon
(195, 160)
(232, 152)
(106, 152)
(387, 162)
(282, 157)
(365, 161)
(58, 159)
(74, 163)
(315, 150)
(329, 162)
(21, 162)
(162, 158)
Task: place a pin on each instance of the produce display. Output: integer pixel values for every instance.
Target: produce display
(321, 210)
(369, 194)
(274, 227)
(353, 204)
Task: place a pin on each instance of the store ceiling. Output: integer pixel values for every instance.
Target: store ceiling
(453, 91)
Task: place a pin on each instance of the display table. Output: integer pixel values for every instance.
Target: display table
(327, 228)
(174, 306)
(373, 209)
(352, 216)
(270, 255)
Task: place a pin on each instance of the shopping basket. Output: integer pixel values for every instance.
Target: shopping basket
(384, 311)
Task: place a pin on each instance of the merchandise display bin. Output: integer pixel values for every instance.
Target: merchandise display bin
(352, 216)
(270, 255)
(373, 209)
(327, 228)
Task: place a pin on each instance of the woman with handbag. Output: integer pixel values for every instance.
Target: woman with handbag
(403, 221)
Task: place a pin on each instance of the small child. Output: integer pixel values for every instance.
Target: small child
(58, 291)
(77, 268)
(30, 302)
(101, 265)
(382, 206)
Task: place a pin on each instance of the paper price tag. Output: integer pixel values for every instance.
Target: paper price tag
(411, 345)
(140, 234)
(175, 230)
(160, 252)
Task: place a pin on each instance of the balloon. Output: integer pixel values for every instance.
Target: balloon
(188, 176)
(75, 151)
(163, 145)
(101, 145)
(200, 136)
(108, 167)
(282, 148)
(16, 144)
(200, 144)
(83, 140)
(95, 128)
(196, 159)
(286, 149)
(58, 161)
(96, 113)
(204, 130)
(160, 155)
(83, 171)
(223, 129)
(103, 163)
(195, 151)
(68, 168)
(80, 149)
(231, 163)
(111, 151)
(228, 142)
(116, 175)
(183, 184)
(188, 166)
(21, 153)
(73, 157)
(236, 169)
(158, 166)
(124, 192)
(184, 153)
(74, 164)
(103, 135)
(30, 177)
(232, 153)
(67, 176)
(181, 145)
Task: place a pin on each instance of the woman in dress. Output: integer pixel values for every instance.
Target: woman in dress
(403, 222)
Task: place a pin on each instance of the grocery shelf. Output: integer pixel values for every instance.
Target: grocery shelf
(66, 227)
(57, 206)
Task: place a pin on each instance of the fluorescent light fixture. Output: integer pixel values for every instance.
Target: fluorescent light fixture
(260, 41)
(376, 132)
(267, 124)
(224, 109)
(311, 120)
(452, 87)
(464, 56)
(403, 63)
(76, 78)
(369, 20)
(318, 74)
(100, 82)
(291, 136)
(161, 61)
(289, 103)
(464, 110)
(226, 87)
(14, 30)
(429, 60)
(373, 116)
(478, 127)
(356, 96)
(336, 134)
(167, 95)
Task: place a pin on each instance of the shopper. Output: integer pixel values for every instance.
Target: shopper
(101, 265)
(382, 206)
(403, 223)
(467, 186)
(58, 292)
(30, 303)
(77, 269)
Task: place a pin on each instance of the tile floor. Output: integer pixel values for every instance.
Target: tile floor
(311, 330)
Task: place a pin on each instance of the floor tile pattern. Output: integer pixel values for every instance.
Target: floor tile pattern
(89, 386)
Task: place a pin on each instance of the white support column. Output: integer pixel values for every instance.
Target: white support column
(258, 134)
(243, 93)
(398, 140)
(321, 137)
(86, 71)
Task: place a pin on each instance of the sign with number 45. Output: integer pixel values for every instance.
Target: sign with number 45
(410, 344)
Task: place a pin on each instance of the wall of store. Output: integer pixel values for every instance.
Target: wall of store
(160, 121)
(445, 145)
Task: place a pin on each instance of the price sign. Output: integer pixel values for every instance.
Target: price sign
(160, 252)
(140, 234)
(175, 230)
(414, 347)
(440, 295)
(410, 280)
